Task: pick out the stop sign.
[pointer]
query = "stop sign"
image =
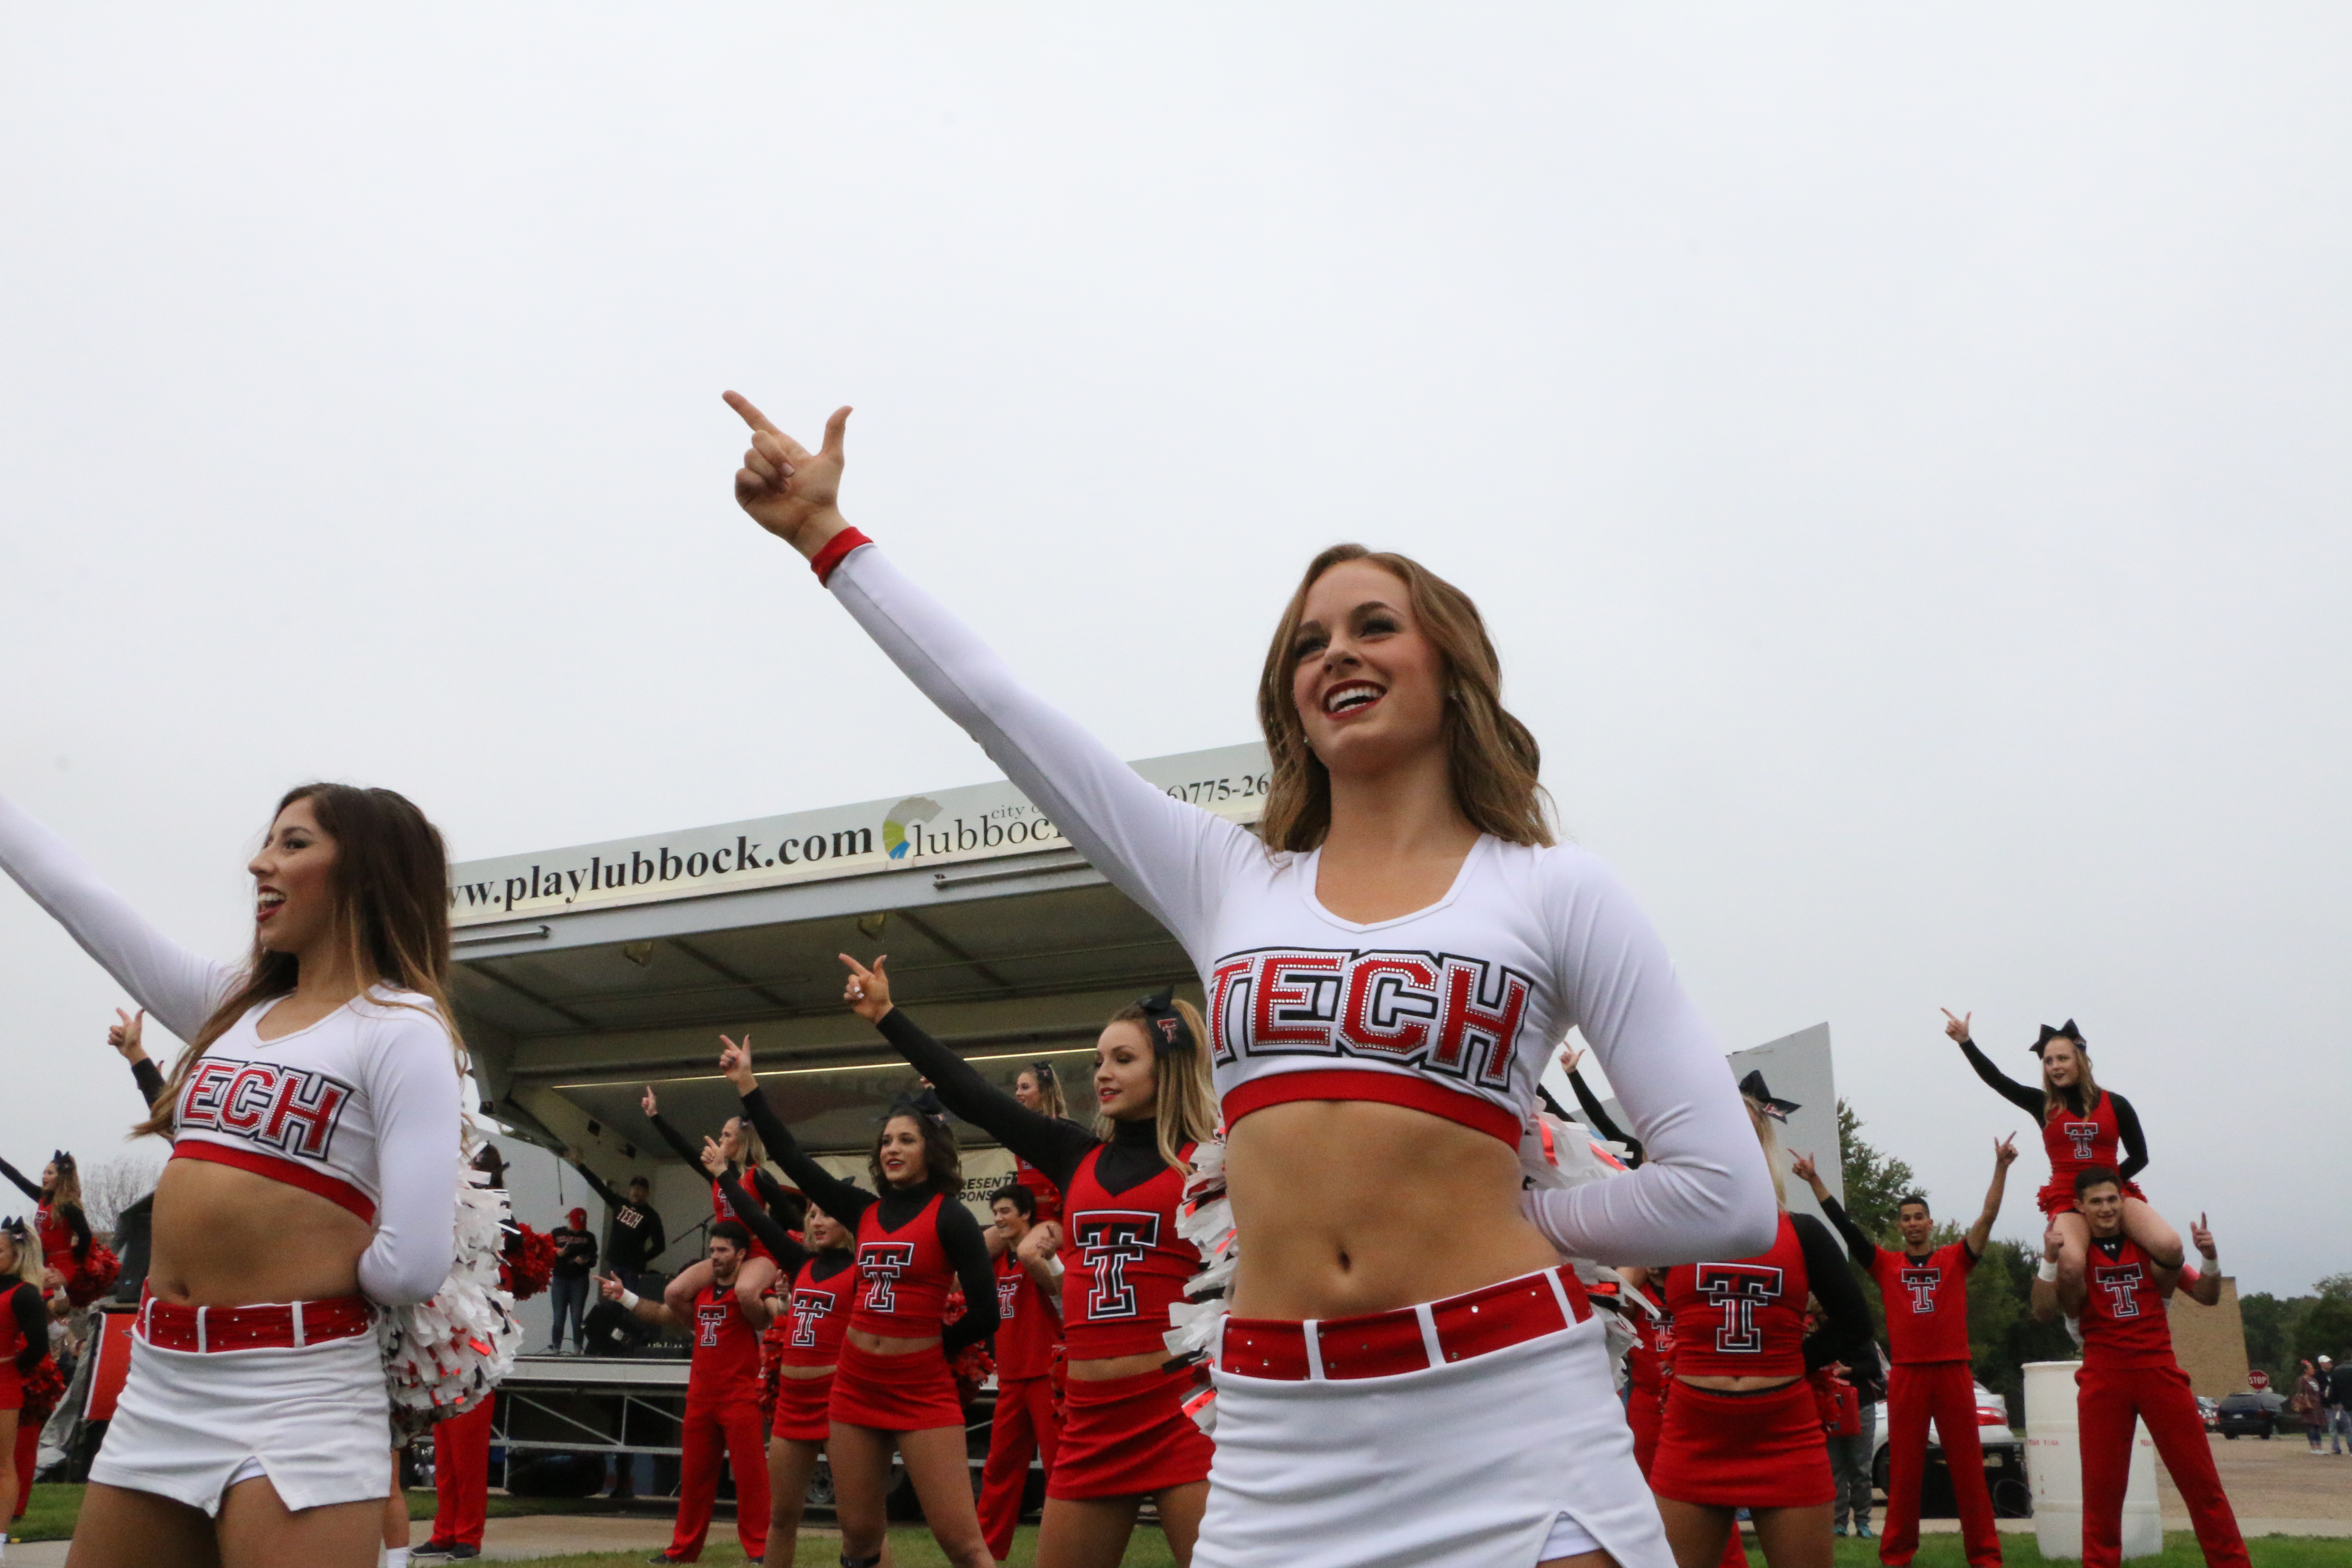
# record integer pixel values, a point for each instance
(2258, 1379)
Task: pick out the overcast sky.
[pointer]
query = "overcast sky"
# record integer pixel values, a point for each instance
(1901, 452)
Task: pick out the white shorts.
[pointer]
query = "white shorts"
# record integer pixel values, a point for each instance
(314, 1421)
(1504, 1460)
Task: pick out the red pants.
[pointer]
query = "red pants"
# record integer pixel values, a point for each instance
(1025, 1423)
(2106, 1398)
(1945, 1392)
(711, 1433)
(461, 1474)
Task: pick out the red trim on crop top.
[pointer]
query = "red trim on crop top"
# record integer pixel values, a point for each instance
(334, 1190)
(836, 550)
(1388, 1088)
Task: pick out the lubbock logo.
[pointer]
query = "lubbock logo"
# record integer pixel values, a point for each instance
(912, 812)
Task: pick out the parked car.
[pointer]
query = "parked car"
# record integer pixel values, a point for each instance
(2210, 1412)
(2259, 1413)
(2004, 1462)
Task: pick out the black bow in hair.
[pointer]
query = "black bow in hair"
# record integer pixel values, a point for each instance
(14, 1226)
(1044, 1069)
(2065, 1031)
(1752, 1086)
(1165, 1024)
(61, 1160)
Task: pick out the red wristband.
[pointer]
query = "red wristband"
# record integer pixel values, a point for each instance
(836, 550)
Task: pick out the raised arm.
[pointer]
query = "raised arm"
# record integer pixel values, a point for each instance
(31, 1189)
(166, 979)
(2204, 1282)
(1703, 1190)
(1166, 855)
(967, 1253)
(1052, 1143)
(2026, 1099)
(1594, 1116)
(669, 1135)
(1844, 1327)
(645, 1309)
(596, 1184)
(2127, 1134)
(128, 1039)
(2005, 1155)
(789, 1254)
(845, 1201)
(1858, 1246)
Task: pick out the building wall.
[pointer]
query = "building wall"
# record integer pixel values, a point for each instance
(2211, 1342)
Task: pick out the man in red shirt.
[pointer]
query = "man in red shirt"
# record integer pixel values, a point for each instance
(1028, 1332)
(722, 1399)
(2129, 1372)
(1926, 1290)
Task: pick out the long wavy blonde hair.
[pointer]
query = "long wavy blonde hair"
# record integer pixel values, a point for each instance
(1182, 1091)
(1495, 759)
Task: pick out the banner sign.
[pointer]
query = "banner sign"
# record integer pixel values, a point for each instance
(981, 822)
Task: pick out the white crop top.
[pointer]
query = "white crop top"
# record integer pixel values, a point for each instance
(361, 1107)
(1453, 1009)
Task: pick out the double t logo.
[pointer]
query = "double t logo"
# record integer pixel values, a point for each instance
(1109, 1240)
(1740, 1289)
(1922, 1283)
(880, 1262)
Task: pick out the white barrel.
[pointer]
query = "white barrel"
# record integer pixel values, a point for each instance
(2053, 1464)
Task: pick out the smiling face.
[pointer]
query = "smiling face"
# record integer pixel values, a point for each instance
(901, 1152)
(1127, 1080)
(1368, 685)
(2062, 1063)
(1025, 1089)
(1011, 1223)
(1912, 1221)
(49, 1179)
(294, 883)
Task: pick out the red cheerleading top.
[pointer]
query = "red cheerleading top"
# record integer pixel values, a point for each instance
(1028, 1330)
(2075, 1143)
(1927, 1302)
(726, 1364)
(2123, 1322)
(903, 1275)
(1650, 1359)
(1130, 1264)
(1742, 1318)
(1040, 1187)
(817, 1315)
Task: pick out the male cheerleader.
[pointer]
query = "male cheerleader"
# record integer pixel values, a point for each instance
(1925, 1289)
(722, 1398)
(1028, 1332)
(2128, 1371)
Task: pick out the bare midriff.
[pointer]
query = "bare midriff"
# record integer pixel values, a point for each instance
(227, 1238)
(803, 1373)
(889, 1344)
(1103, 1369)
(1738, 1384)
(1345, 1207)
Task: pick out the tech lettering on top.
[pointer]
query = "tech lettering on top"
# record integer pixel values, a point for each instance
(1457, 1018)
(291, 1109)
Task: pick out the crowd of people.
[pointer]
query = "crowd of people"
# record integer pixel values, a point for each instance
(1333, 1181)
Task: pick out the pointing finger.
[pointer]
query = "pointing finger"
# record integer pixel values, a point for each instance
(750, 412)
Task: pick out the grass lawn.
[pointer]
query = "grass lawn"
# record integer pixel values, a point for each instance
(51, 1515)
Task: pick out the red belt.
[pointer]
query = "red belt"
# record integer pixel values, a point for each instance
(289, 1325)
(1410, 1339)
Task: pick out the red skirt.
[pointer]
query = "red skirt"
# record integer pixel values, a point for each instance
(2058, 1197)
(803, 1409)
(894, 1392)
(1743, 1451)
(1123, 1437)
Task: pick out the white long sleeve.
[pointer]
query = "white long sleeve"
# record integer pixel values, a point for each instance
(180, 988)
(1169, 857)
(1703, 1190)
(415, 1092)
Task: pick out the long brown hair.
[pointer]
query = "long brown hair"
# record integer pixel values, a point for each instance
(1494, 759)
(391, 882)
(1184, 1097)
(943, 1160)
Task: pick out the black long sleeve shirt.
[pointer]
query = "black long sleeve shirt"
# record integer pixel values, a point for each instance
(960, 1234)
(633, 1231)
(1054, 1144)
(70, 1215)
(32, 1321)
(1598, 1119)
(2031, 1101)
(1844, 1327)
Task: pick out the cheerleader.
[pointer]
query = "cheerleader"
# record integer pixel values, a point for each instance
(892, 1387)
(315, 1117)
(24, 1340)
(756, 1276)
(1037, 1090)
(1385, 961)
(1025, 1423)
(1742, 1428)
(819, 1276)
(1125, 1435)
(57, 1218)
(2084, 1127)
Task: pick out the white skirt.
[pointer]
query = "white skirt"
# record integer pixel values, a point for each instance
(314, 1420)
(1468, 1464)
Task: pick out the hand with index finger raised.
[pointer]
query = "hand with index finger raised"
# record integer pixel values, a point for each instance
(789, 490)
